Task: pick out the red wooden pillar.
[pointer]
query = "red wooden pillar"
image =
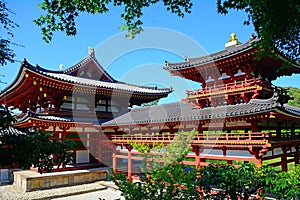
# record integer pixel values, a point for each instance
(224, 149)
(284, 160)
(129, 164)
(64, 132)
(199, 129)
(197, 156)
(114, 160)
(171, 129)
(99, 151)
(257, 155)
(130, 131)
(257, 162)
(254, 126)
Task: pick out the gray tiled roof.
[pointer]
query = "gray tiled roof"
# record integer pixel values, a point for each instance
(227, 52)
(292, 109)
(59, 75)
(182, 111)
(49, 117)
(13, 131)
(108, 85)
(44, 117)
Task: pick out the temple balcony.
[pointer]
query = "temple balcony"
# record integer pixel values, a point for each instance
(233, 93)
(255, 139)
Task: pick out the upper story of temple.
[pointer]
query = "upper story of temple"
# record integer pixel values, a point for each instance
(84, 89)
(234, 75)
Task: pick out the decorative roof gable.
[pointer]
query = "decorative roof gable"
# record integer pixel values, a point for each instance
(89, 68)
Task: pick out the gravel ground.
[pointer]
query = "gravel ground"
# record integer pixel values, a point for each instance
(107, 194)
(12, 192)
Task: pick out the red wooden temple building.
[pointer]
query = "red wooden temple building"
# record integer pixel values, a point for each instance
(237, 112)
(72, 103)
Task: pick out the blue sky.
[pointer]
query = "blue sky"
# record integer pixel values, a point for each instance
(166, 37)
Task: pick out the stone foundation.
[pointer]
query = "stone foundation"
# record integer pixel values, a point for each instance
(29, 180)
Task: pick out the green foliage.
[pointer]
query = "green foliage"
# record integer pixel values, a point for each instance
(174, 182)
(179, 148)
(146, 148)
(6, 117)
(152, 103)
(235, 182)
(170, 182)
(60, 14)
(34, 149)
(175, 152)
(7, 25)
(276, 22)
(285, 185)
(295, 93)
(246, 180)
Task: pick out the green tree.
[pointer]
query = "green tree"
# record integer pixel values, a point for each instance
(6, 117)
(30, 149)
(295, 93)
(170, 182)
(7, 25)
(167, 181)
(228, 182)
(174, 152)
(34, 149)
(276, 22)
(173, 180)
(152, 103)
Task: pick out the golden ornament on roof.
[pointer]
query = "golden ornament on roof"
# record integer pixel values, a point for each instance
(90, 50)
(232, 37)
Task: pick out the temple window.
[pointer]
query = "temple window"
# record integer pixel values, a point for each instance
(82, 103)
(101, 105)
(106, 106)
(114, 106)
(67, 104)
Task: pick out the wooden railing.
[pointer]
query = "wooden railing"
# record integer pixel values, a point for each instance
(198, 139)
(246, 84)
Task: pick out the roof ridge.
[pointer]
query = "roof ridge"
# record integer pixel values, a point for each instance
(213, 56)
(88, 58)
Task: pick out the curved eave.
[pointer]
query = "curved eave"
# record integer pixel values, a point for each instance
(180, 113)
(28, 73)
(78, 81)
(228, 55)
(184, 112)
(35, 121)
(211, 58)
(13, 89)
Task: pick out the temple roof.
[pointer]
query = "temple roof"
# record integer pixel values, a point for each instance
(31, 119)
(107, 85)
(234, 51)
(82, 64)
(13, 131)
(182, 111)
(227, 52)
(172, 112)
(61, 77)
(45, 117)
